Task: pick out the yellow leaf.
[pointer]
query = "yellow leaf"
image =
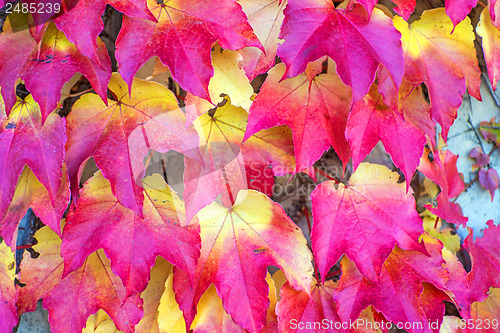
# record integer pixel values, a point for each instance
(229, 79)
(100, 323)
(152, 295)
(170, 318)
(8, 311)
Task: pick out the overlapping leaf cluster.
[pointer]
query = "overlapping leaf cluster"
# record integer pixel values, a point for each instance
(131, 255)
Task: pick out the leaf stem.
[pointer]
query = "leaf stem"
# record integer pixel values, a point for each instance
(80, 93)
(305, 210)
(324, 174)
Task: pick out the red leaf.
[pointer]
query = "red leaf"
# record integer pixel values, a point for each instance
(20, 43)
(432, 56)
(83, 33)
(121, 134)
(443, 171)
(489, 180)
(398, 293)
(347, 217)
(54, 61)
(458, 10)
(485, 256)
(182, 39)
(231, 165)
(313, 29)
(404, 8)
(86, 290)
(238, 243)
(371, 121)
(316, 111)
(298, 309)
(131, 242)
(24, 140)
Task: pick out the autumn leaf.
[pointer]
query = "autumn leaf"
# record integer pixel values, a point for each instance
(99, 221)
(229, 79)
(266, 18)
(100, 323)
(457, 284)
(442, 169)
(230, 164)
(152, 295)
(13, 42)
(458, 10)
(120, 135)
(398, 293)
(24, 140)
(80, 294)
(404, 8)
(211, 316)
(182, 39)
(87, 289)
(432, 56)
(486, 313)
(170, 317)
(485, 257)
(313, 29)
(490, 130)
(489, 180)
(371, 121)
(347, 216)
(8, 293)
(40, 276)
(316, 111)
(306, 309)
(54, 61)
(242, 241)
(83, 33)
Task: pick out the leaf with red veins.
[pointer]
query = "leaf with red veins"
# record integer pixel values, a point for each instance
(238, 243)
(131, 242)
(458, 10)
(443, 171)
(31, 193)
(231, 165)
(313, 29)
(371, 121)
(8, 293)
(266, 18)
(121, 134)
(490, 37)
(300, 307)
(84, 33)
(347, 217)
(24, 140)
(489, 180)
(398, 294)
(485, 257)
(54, 61)
(432, 56)
(18, 43)
(316, 111)
(83, 292)
(182, 39)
